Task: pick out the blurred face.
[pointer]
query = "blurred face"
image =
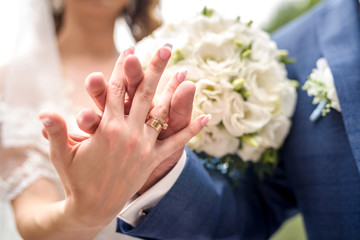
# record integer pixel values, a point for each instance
(96, 8)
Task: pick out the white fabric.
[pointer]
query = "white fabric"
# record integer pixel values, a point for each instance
(31, 81)
(136, 209)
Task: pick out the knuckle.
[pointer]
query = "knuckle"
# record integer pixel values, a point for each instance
(147, 94)
(146, 152)
(162, 112)
(172, 87)
(112, 133)
(117, 87)
(156, 67)
(112, 128)
(57, 134)
(132, 142)
(192, 130)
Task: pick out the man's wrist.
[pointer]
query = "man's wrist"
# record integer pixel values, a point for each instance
(161, 171)
(136, 209)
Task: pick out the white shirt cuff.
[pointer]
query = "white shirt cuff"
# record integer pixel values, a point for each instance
(137, 208)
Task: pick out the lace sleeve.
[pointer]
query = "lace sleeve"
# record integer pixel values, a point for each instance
(33, 168)
(23, 150)
(23, 158)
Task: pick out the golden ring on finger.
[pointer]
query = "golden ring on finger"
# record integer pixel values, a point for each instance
(156, 123)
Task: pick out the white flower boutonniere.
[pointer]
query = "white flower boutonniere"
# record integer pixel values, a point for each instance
(320, 84)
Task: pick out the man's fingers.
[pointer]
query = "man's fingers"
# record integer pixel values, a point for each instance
(161, 110)
(134, 74)
(88, 120)
(180, 109)
(55, 128)
(96, 87)
(177, 141)
(116, 89)
(146, 89)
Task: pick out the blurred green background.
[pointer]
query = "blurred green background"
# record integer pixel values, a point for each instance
(290, 9)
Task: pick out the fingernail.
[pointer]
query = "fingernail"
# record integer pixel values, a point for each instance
(129, 51)
(205, 120)
(165, 53)
(47, 122)
(168, 45)
(181, 76)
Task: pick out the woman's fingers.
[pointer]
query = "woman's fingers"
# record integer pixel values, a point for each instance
(180, 109)
(177, 141)
(96, 87)
(56, 131)
(88, 120)
(146, 89)
(77, 138)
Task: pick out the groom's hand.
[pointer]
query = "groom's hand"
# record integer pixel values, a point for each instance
(179, 116)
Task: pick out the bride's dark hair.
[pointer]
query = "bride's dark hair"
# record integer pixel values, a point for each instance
(140, 15)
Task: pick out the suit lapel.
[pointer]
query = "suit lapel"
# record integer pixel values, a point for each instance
(339, 35)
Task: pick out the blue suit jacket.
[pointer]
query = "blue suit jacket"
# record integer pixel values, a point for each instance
(319, 172)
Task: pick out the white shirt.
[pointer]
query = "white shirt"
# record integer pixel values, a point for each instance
(138, 207)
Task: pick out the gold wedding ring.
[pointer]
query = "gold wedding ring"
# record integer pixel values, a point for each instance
(156, 123)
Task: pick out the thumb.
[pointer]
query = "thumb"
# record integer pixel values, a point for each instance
(180, 109)
(56, 131)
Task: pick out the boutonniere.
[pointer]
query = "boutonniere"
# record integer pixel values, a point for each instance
(320, 84)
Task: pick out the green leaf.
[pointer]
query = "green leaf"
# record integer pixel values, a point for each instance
(207, 12)
(288, 60)
(238, 84)
(249, 140)
(246, 51)
(244, 93)
(295, 83)
(239, 43)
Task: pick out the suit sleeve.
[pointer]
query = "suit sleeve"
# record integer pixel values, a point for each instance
(203, 205)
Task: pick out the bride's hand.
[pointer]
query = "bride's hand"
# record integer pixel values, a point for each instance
(101, 173)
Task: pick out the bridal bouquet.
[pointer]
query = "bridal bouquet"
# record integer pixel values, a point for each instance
(240, 80)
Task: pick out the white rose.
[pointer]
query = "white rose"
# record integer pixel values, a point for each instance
(217, 57)
(288, 99)
(218, 142)
(264, 50)
(210, 99)
(264, 83)
(201, 25)
(275, 132)
(243, 117)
